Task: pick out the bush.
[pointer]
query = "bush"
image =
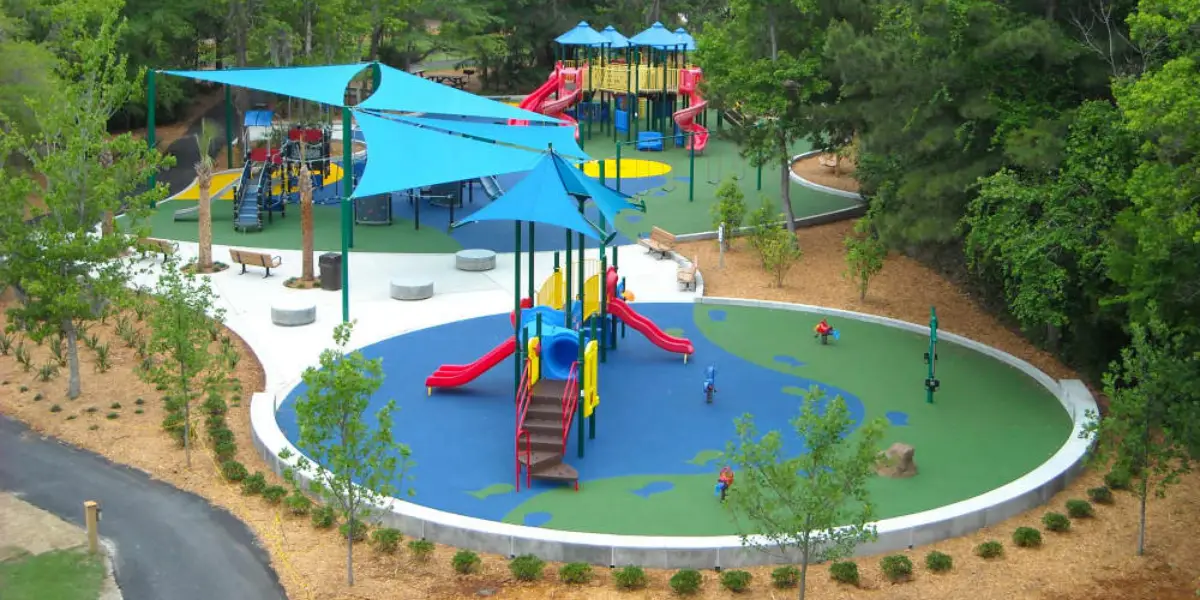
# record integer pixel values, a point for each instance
(254, 484)
(386, 540)
(844, 572)
(465, 562)
(298, 504)
(1027, 537)
(938, 562)
(1100, 495)
(274, 493)
(780, 251)
(1079, 509)
(896, 567)
(112, 415)
(323, 517)
(115, 406)
(1118, 478)
(55, 408)
(785, 577)
(421, 549)
(214, 422)
(225, 450)
(214, 405)
(686, 581)
(575, 573)
(358, 534)
(1056, 522)
(730, 208)
(990, 549)
(526, 567)
(631, 578)
(38, 397)
(735, 581)
(233, 470)
(220, 435)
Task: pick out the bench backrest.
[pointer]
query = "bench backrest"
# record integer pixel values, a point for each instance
(661, 235)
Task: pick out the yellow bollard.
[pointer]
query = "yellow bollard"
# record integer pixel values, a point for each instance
(91, 518)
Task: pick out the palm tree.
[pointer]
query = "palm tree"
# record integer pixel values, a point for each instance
(306, 218)
(204, 177)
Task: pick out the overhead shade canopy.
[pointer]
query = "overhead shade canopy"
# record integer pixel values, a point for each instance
(535, 137)
(540, 197)
(257, 118)
(608, 201)
(614, 37)
(582, 35)
(402, 156)
(689, 42)
(404, 92)
(657, 36)
(325, 84)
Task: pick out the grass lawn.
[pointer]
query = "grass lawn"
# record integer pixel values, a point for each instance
(61, 575)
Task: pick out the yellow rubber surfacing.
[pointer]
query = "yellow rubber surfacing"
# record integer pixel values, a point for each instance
(220, 180)
(631, 168)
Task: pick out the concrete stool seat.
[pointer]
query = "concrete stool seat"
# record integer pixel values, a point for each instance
(475, 260)
(293, 312)
(411, 288)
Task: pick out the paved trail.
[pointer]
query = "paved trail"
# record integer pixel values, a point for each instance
(170, 544)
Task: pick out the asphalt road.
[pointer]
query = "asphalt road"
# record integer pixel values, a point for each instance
(170, 544)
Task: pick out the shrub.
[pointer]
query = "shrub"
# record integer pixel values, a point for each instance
(47, 371)
(386, 540)
(938, 562)
(219, 435)
(254, 484)
(896, 567)
(1027, 537)
(214, 422)
(274, 493)
(785, 577)
(421, 549)
(93, 427)
(1079, 509)
(465, 562)
(686, 581)
(526, 567)
(23, 389)
(6, 343)
(1100, 495)
(214, 405)
(103, 360)
(631, 578)
(1056, 522)
(90, 409)
(21, 353)
(575, 573)
(139, 402)
(1118, 478)
(225, 450)
(780, 251)
(71, 417)
(359, 532)
(112, 415)
(844, 572)
(298, 504)
(115, 405)
(55, 408)
(38, 397)
(735, 581)
(990, 549)
(138, 411)
(233, 470)
(323, 517)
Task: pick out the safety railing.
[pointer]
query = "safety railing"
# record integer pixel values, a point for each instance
(524, 396)
(570, 403)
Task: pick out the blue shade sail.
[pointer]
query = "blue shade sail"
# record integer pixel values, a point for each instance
(541, 198)
(404, 92)
(607, 200)
(324, 84)
(535, 137)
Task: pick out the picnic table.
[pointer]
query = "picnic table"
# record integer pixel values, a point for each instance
(458, 81)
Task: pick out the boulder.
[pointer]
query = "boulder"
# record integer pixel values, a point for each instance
(896, 461)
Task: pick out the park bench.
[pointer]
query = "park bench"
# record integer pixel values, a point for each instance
(686, 275)
(255, 259)
(660, 241)
(158, 246)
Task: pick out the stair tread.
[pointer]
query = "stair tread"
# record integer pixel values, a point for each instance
(537, 458)
(560, 472)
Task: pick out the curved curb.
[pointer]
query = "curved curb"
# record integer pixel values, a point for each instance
(899, 533)
(812, 185)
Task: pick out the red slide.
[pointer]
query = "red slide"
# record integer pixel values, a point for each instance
(647, 328)
(456, 375)
(533, 102)
(686, 118)
(539, 102)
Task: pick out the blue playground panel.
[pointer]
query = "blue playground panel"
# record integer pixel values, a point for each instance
(651, 141)
(652, 417)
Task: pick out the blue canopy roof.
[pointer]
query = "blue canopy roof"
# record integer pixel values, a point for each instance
(686, 38)
(658, 36)
(536, 137)
(607, 200)
(324, 84)
(581, 35)
(257, 118)
(403, 156)
(405, 92)
(541, 197)
(614, 37)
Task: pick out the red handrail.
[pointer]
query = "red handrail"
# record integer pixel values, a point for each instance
(570, 402)
(522, 402)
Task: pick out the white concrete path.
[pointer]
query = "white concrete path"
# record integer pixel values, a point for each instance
(286, 351)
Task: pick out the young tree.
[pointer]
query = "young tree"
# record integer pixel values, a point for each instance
(59, 264)
(358, 463)
(182, 320)
(816, 504)
(864, 255)
(1154, 392)
(204, 177)
(730, 209)
(780, 252)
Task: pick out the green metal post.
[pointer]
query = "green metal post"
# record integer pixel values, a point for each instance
(228, 127)
(582, 272)
(603, 307)
(347, 225)
(718, 121)
(517, 308)
(567, 282)
(932, 357)
(591, 94)
(630, 93)
(151, 134)
(666, 123)
(618, 167)
(692, 168)
(759, 178)
(532, 248)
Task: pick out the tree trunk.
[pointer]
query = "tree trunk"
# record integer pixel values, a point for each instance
(350, 550)
(73, 386)
(803, 572)
(1141, 549)
(107, 225)
(187, 416)
(785, 186)
(306, 224)
(204, 263)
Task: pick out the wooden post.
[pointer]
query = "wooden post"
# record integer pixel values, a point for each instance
(91, 518)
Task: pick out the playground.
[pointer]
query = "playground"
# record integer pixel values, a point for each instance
(651, 466)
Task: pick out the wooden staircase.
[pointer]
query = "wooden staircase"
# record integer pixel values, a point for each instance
(544, 415)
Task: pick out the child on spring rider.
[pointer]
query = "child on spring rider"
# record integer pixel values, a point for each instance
(724, 482)
(710, 383)
(824, 330)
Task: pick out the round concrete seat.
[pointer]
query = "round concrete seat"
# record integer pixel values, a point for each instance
(475, 260)
(293, 313)
(411, 288)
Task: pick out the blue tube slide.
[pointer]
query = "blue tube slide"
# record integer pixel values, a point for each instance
(560, 345)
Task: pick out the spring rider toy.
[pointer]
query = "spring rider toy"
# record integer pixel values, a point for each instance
(724, 482)
(710, 383)
(824, 331)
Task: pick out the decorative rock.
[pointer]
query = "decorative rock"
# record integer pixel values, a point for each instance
(475, 260)
(411, 288)
(293, 313)
(896, 462)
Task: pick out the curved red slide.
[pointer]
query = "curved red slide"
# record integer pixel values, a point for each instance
(456, 375)
(538, 102)
(647, 328)
(534, 101)
(686, 119)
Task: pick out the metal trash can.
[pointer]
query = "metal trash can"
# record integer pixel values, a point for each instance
(331, 271)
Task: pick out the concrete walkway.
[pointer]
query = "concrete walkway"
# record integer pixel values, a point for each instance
(168, 543)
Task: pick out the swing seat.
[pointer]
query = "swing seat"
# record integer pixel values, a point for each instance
(651, 141)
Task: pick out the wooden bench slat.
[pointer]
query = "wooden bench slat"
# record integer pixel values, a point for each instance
(257, 259)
